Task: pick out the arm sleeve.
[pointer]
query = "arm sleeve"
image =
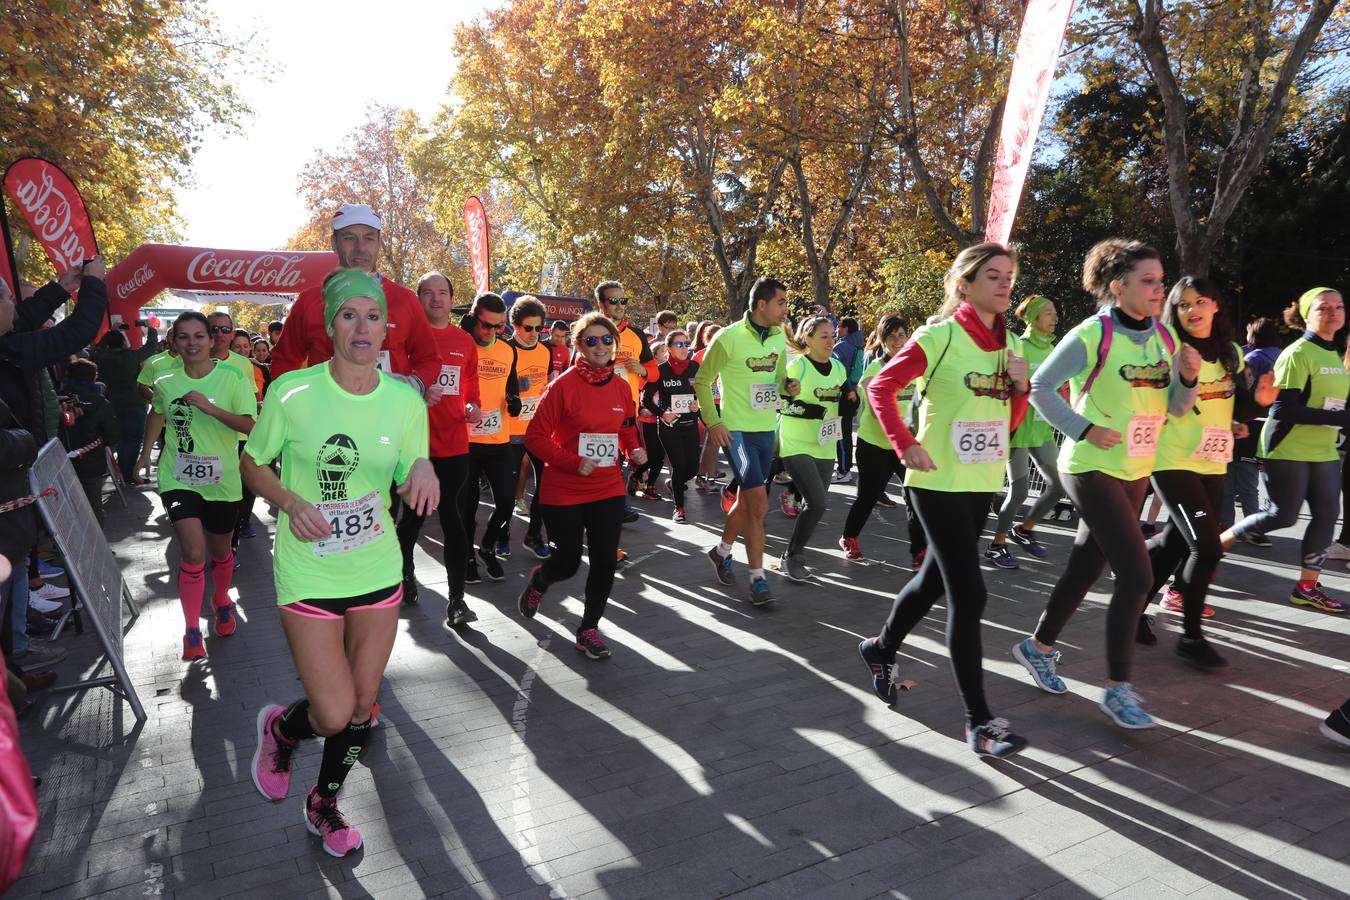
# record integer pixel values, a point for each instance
(289, 353)
(645, 353)
(654, 396)
(512, 386)
(1290, 406)
(1180, 396)
(904, 367)
(415, 442)
(269, 435)
(713, 358)
(33, 350)
(37, 309)
(539, 435)
(471, 394)
(1067, 359)
(423, 357)
(628, 437)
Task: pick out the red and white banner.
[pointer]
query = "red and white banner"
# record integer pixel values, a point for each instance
(53, 209)
(476, 231)
(1033, 70)
(9, 271)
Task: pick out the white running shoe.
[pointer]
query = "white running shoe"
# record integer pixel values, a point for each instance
(43, 606)
(49, 592)
(1338, 551)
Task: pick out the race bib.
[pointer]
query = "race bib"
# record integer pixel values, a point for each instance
(764, 397)
(1141, 436)
(384, 363)
(490, 424)
(603, 448)
(351, 524)
(196, 470)
(527, 407)
(681, 403)
(1335, 404)
(717, 392)
(980, 442)
(448, 380)
(1215, 446)
(831, 430)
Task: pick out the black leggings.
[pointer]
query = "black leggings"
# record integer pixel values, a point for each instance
(1108, 531)
(953, 523)
(245, 508)
(450, 471)
(495, 461)
(599, 522)
(680, 444)
(875, 470)
(518, 454)
(1190, 540)
(656, 456)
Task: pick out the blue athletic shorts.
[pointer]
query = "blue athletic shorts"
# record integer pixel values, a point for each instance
(751, 455)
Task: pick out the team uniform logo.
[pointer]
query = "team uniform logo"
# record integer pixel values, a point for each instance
(338, 458)
(829, 395)
(996, 386)
(1158, 375)
(762, 363)
(1222, 389)
(180, 420)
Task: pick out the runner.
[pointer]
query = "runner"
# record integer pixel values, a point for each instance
(709, 476)
(198, 472)
(1034, 441)
(583, 423)
(1122, 374)
(560, 349)
(1298, 443)
(809, 431)
(632, 355)
(345, 433)
(876, 457)
(532, 364)
(671, 396)
(452, 404)
(974, 394)
(1194, 452)
(750, 359)
(489, 438)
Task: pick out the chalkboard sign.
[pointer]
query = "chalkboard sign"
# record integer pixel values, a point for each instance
(94, 575)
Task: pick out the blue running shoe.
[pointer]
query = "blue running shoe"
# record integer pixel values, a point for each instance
(503, 551)
(1041, 666)
(722, 566)
(994, 738)
(1121, 703)
(47, 570)
(538, 546)
(760, 594)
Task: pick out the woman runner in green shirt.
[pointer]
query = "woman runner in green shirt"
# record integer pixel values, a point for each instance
(344, 432)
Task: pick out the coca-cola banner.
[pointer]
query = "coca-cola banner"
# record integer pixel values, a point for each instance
(1033, 69)
(53, 209)
(9, 272)
(476, 231)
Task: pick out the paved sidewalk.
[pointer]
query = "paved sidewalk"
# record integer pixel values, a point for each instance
(723, 750)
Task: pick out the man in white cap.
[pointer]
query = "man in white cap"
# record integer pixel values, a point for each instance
(409, 349)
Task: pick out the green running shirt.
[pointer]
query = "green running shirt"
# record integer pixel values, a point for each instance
(201, 453)
(1034, 431)
(1321, 374)
(869, 428)
(752, 373)
(1201, 441)
(816, 438)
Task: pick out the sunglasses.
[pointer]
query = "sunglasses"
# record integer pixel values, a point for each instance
(617, 301)
(591, 340)
(500, 326)
(221, 329)
(680, 344)
(529, 329)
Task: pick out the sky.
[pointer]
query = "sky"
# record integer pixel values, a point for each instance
(328, 62)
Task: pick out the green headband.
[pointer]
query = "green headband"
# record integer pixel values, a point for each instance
(1034, 306)
(343, 285)
(1305, 302)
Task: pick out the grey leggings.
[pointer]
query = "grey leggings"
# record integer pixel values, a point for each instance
(811, 476)
(1046, 457)
(1288, 484)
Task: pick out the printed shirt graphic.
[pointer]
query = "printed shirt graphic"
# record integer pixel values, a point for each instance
(188, 430)
(869, 429)
(1133, 386)
(799, 436)
(532, 362)
(336, 446)
(967, 390)
(494, 367)
(741, 360)
(1321, 375)
(1212, 414)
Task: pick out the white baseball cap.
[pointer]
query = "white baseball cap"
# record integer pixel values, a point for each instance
(356, 214)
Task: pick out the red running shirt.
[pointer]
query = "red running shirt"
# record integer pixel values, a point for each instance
(569, 409)
(459, 371)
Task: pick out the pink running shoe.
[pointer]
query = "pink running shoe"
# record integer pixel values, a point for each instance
(788, 504)
(322, 818)
(527, 604)
(272, 758)
(1172, 600)
(851, 548)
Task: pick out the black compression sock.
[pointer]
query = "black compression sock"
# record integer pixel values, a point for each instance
(340, 753)
(294, 725)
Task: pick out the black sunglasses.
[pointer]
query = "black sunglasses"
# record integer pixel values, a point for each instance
(617, 301)
(220, 329)
(529, 329)
(500, 326)
(591, 340)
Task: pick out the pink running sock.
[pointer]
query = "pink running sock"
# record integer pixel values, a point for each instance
(191, 587)
(1307, 585)
(222, 573)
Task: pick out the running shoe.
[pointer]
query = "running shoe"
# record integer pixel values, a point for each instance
(841, 478)
(760, 595)
(471, 575)
(1314, 597)
(1337, 727)
(1200, 653)
(885, 502)
(458, 614)
(722, 566)
(651, 494)
(538, 546)
(1143, 632)
(522, 509)
(237, 563)
(1121, 703)
(272, 757)
(1001, 556)
(1171, 600)
(1338, 551)
(1259, 540)
(916, 561)
(491, 565)
(46, 607)
(634, 486)
(630, 515)
(1027, 541)
(994, 738)
(592, 644)
(782, 478)
(225, 622)
(883, 668)
(788, 504)
(503, 551)
(852, 550)
(1147, 529)
(193, 648)
(678, 517)
(248, 532)
(1041, 666)
(527, 604)
(322, 818)
(728, 499)
(47, 570)
(41, 654)
(621, 557)
(794, 568)
(48, 592)
(410, 592)
(704, 485)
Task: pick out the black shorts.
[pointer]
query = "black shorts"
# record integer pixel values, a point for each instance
(218, 516)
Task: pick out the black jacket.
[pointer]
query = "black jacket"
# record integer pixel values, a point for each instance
(18, 529)
(97, 421)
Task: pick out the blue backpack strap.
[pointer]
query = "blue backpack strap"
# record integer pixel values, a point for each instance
(1103, 348)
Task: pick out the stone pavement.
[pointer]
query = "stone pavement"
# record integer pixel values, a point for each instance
(723, 750)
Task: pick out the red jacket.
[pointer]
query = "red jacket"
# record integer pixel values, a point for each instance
(305, 341)
(449, 431)
(568, 409)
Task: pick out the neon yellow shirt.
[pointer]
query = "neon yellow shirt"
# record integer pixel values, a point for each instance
(201, 453)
